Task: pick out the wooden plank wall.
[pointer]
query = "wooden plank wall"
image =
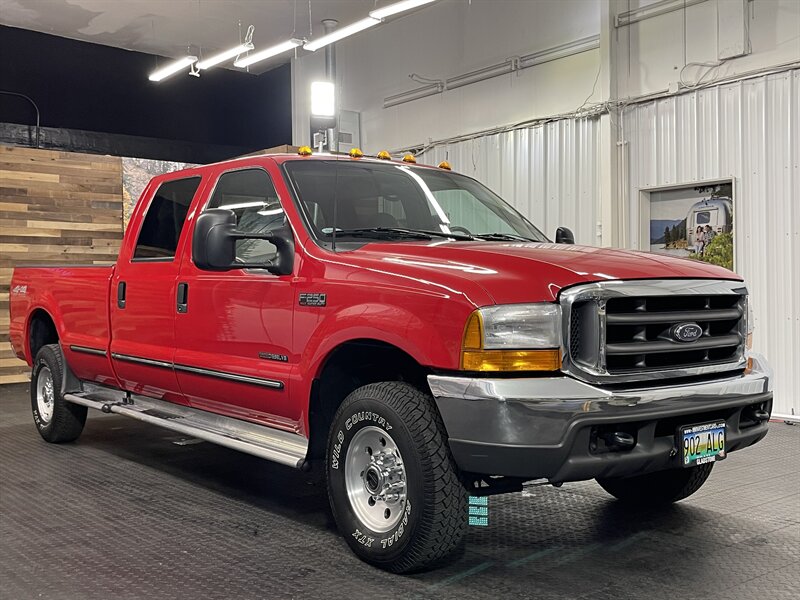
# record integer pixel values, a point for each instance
(55, 207)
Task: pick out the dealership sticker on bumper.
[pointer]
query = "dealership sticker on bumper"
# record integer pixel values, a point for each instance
(701, 444)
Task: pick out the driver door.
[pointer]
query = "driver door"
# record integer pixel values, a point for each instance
(234, 328)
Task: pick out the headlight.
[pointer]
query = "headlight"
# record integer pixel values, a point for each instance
(513, 337)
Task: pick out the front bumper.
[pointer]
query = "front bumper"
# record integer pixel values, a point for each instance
(553, 427)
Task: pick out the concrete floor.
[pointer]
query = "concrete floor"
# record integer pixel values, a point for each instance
(132, 511)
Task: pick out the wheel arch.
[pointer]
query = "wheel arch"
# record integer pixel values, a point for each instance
(41, 330)
(348, 366)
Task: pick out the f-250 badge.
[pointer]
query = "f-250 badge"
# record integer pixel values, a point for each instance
(313, 299)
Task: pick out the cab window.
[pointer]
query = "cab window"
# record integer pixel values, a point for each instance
(249, 193)
(164, 220)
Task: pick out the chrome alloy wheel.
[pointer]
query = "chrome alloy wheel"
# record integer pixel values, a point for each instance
(45, 395)
(375, 477)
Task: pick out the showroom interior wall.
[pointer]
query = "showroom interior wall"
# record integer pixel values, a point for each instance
(98, 99)
(556, 161)
(450, 38)
(748, 131)
(587, 173)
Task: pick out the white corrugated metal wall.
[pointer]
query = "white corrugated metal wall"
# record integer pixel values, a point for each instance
(548, 172)
(748, 131)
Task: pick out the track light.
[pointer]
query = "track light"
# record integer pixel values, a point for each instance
(223, 56)
(341, 33)
(397, 7)
(267, 53)
(172, 68)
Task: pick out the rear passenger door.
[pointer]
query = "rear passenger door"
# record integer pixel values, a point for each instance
(233, 334)
(143, 293)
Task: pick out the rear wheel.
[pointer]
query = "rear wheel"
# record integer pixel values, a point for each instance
(56, 419)
(662, 487)
(393, 486)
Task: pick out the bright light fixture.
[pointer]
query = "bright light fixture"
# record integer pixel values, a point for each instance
(322, 99)
(267, 53)
(223, 56)
(397, 7)
(172, 68)
(344, 32)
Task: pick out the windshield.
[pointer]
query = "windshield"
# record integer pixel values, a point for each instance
(401, 201)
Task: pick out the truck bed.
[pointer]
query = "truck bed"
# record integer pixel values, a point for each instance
(76, 298)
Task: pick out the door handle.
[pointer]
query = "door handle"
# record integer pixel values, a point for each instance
(121, 294)
(183, 297)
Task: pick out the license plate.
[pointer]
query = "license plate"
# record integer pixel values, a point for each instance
(701, 444)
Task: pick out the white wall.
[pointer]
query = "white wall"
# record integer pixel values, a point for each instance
(748, 131)
(450, 38)
(549, 172)
(658, 51)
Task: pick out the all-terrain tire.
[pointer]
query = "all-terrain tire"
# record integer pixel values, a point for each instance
(661, 487)
(56, 419)
(434, 506)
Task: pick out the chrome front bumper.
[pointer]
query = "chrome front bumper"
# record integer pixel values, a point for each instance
(545, 427)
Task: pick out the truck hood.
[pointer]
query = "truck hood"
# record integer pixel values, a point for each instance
(512, 272)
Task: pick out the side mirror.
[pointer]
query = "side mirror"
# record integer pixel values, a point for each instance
(214, 244)
(564, 235)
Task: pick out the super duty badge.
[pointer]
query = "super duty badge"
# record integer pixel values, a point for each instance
(313, 299)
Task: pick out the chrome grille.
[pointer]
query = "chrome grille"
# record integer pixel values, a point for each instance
(624, 330)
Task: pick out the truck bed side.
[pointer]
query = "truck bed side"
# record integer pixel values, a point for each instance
(72, 300)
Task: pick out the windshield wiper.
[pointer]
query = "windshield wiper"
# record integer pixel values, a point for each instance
(420, 234)
(502, 237)
(380, 232)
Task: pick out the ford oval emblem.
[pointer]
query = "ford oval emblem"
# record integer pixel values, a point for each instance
(686, 332)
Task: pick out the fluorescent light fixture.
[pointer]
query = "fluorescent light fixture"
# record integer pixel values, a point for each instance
(344, 32)
(267, 53)
(172, 68)
(223, 56)
(397, 7)
(323, 99)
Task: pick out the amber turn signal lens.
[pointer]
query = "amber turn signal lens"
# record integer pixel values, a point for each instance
(473, 332)
(510, 360)
(304, 150)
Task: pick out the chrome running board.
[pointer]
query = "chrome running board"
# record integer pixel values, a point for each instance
(272, 444)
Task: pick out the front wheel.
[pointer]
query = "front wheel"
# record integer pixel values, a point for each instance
(392, 483)
(661, 487)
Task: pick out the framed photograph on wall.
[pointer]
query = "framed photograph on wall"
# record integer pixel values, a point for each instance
(693, 221)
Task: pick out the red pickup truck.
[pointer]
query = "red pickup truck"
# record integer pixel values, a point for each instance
(404, 329)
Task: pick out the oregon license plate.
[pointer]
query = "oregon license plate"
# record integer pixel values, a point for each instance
(701, 444)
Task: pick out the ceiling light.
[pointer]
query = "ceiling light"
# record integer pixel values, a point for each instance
(323, 99)
(223, 56)
(397, 7)
(172, 68)
(267, 53)
(341, 33)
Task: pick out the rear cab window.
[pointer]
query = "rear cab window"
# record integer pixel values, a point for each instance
(164, 219)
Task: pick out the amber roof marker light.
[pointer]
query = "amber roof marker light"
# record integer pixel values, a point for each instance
(445, 165)
(409, 158)
(384, 155)
(355, 153)
(304, 151)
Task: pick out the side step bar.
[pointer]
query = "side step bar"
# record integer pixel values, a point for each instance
(272, 444)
